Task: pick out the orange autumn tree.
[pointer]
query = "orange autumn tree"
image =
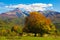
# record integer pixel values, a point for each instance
(17, 29)
(37, 23)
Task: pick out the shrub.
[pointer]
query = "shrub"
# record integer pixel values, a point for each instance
(17, 29)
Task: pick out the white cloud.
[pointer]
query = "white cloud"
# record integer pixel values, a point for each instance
(50, 5)
(31, 7)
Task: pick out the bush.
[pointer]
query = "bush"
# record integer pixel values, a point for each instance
(17, 29)
(3, 32)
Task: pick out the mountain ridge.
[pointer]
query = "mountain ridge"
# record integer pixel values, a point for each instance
(53, 15)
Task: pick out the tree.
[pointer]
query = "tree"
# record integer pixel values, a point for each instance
(37, 23)
(17, 29)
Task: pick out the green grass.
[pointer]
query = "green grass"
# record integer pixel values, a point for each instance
(10, 37)
(28, 38)
(40, 38)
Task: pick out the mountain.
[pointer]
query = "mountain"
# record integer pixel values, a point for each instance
(17, 13)
(53, 15)
(13, 14)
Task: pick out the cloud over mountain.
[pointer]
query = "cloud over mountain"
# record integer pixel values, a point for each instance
(28, 7)
(31, 7)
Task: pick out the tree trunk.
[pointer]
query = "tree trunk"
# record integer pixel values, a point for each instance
(41, 35)
(35, 35)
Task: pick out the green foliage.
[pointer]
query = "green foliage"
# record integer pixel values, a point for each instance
(7, 24)
(4, 32)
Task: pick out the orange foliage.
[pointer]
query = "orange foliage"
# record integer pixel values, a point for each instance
(36, 17)
(36, 22)
(15, 27)
(48, 21)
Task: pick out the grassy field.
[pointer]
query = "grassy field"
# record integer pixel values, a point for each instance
(29, 38)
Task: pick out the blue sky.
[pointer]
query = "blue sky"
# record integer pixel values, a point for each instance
(55, 3)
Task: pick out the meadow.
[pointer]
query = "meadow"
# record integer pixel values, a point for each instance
(28, 38)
